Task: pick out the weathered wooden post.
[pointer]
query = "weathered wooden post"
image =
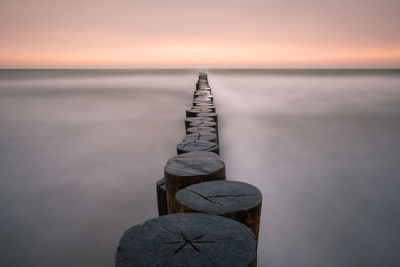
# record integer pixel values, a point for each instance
(196, 101)
(161, 197)
(194, 111)
(200, 129)
(193, 146)
(187, 239)
(212, 115)
(235, 200)
(203, 124)
(202, 93)
(193, 119)
(190, 168)
(210, 137)
(205, 105)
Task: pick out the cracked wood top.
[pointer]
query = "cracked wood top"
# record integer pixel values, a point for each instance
(205, 105)
(200, 136)
(202, 129)
(194, 164)
(205, 94)
(197, 146)
(193, 119)
(203, 124)
(220, 197)
(203, 98)
(199, 109)
(187, 239)
(196, 101)
(206, 114)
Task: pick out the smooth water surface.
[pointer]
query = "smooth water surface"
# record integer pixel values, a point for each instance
(81, 150)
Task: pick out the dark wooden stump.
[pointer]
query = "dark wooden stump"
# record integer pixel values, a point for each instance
(193, 146)
(194, 111)
(193, 119)
(210, 137)
(203, 87)
(203, 124)
(201, 129)
(206, 91)
(189, 239)
(203, 99)
(162, 197)
(190, 168)
(235, 200)
(203, 76)
(209, 115)
(205, 105)
(197, 101)
(202, 93)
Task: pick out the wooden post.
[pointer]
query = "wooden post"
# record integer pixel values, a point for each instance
(193, 119)
(235, 200)
(209, 115)
(202, 87)
(210, 137)
(203, 93)
(196, 101)
(205, 105)
(203, 99)
(194, 111)
(190, 168)
(193, 146)
(200, 129)
(162, 197)
(188, 239)
(203, 124)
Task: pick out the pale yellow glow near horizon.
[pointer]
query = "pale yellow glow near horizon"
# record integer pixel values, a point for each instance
(197, 56)
(138, 34)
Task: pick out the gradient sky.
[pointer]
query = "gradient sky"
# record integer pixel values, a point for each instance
(219, 33)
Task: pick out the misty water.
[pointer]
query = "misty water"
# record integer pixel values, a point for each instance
(81, 150)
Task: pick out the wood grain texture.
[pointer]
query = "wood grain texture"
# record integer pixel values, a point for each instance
(200, 129)
(212, 115)
(196, 101)
(191, 239)
(193, 119)
(203, 93)
(205, 105)
(203, 124)
(210, 137)
(235, 200)
(194, 111)
(203, 98)
(201, 145)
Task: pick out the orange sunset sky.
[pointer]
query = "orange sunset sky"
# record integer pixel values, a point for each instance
(136, 34)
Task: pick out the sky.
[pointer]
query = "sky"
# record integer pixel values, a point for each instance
(181, 34)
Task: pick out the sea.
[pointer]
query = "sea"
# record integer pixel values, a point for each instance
(81, 151)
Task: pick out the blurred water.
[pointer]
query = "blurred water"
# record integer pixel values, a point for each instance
(81, 150)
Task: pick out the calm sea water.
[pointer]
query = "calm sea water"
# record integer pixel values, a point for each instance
(81, 150)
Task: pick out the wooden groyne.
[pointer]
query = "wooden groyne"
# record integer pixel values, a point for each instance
(204, 219)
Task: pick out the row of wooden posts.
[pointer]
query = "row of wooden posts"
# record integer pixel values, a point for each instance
(204, 220)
